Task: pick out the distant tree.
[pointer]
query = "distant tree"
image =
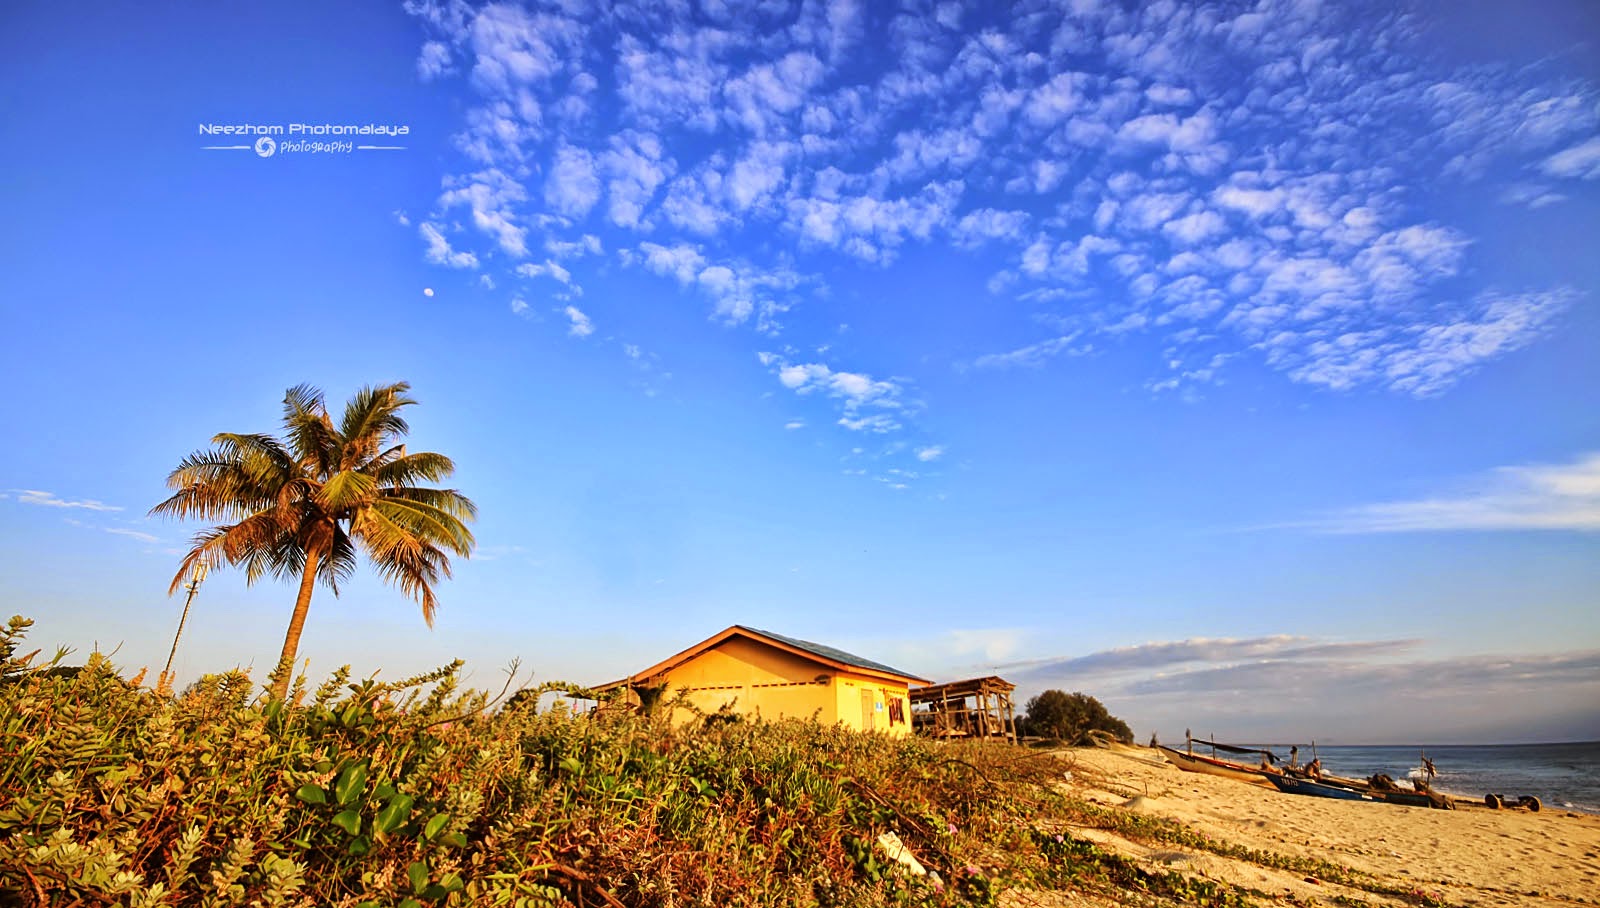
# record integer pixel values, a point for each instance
(301, 508)
(1070, 717)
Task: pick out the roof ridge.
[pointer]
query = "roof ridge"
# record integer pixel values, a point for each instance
(829, 652)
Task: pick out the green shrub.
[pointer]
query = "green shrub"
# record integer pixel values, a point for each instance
(416, 793)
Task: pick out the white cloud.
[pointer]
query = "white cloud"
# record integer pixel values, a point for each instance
(1537, 497)
(682, 262)
(553, 270)
(588, 244)
(580, 325)
(1254, 202)
(1034, 354)
(515, 49)
(1195, 228)
(760, 98)
(675, 81)
(930, 453)
(877, 423)
(758, 173)
(1533, 195)
(868, 404)
(634, 166)
(1190, 134)
(1578, 162)
(434, 61)
(869, 227)
(1157, 686)
(1054, 101)
(51, 500)
(496, 132)
(490, 195)
(1271, 204)
(737, 289)
(976, 227)
(1169, 95)
(572, 186)
(1436, 356)
(439, 251)
(131, 534)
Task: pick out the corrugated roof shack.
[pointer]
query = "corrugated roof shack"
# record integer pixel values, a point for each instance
(760, 673)
(974, 708)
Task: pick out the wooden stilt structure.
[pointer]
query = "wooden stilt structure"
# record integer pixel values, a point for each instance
(974, 708)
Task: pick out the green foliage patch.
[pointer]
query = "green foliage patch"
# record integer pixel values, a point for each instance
(416, 793)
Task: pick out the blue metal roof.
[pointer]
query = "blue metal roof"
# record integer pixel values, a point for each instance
(828, 652)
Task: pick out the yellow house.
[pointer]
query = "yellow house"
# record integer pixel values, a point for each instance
(760, 673)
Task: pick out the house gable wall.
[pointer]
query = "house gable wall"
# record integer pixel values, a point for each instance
(757, 678)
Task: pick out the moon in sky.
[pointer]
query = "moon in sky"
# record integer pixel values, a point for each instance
(427, 291)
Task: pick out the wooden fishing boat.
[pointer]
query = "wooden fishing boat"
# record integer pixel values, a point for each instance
(1377, 788)
(1211, 766)
(1303, 786)
(1407, 798)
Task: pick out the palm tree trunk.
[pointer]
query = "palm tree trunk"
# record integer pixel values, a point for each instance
(278, 685)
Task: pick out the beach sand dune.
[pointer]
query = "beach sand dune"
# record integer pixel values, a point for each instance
(1471, 856)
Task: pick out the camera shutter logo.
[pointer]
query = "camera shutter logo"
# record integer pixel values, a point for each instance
(266, 147)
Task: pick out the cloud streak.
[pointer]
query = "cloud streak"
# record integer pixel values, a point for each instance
(1537, 497)
(51, 500)
(1295, 688)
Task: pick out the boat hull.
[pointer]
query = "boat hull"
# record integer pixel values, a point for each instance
(1404, 798)
(1292, 785)
(1213, 767)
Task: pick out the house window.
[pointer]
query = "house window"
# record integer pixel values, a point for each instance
(897, 711)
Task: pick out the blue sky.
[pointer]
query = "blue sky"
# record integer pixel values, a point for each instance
(1235, 363)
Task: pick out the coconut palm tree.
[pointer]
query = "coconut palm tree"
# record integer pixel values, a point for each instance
(301, 507)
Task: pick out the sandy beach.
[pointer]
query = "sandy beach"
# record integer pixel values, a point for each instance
(1469, 856)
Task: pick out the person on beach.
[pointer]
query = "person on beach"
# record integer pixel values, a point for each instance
(1314, 769)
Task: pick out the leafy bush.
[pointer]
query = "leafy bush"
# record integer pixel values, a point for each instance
(1071, 717)
(416, 793)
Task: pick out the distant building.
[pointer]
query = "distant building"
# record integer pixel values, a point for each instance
(759, 673)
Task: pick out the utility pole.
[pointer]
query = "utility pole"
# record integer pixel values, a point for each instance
(201, 568)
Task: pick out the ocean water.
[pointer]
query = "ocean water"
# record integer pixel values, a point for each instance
(1561, 776)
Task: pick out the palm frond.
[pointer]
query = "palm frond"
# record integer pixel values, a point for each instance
(264, 451)
(206, 547)
(407, 469)
(430, 524)
(415, 569)
(450, 501)
(283, 558)
(339, 563)
(372, 421)
(215, 485)
(311, 433)
(373, 463)
(346, 492)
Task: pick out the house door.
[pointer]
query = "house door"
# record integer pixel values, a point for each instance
(869, 701)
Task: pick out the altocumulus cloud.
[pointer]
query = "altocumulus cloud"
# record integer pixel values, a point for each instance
(1234, 180)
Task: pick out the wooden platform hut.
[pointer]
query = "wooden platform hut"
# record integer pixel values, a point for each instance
(974, 708)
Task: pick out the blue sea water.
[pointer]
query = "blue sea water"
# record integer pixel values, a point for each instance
(1562, 776)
